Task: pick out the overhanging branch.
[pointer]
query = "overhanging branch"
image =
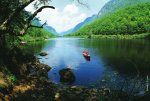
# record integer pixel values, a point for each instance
(28, 24)
(38, 26)
(39, 10)
(82, 3)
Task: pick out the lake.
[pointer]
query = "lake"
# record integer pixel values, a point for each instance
(111, 60)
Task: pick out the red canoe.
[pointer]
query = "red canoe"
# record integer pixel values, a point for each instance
(86, 55)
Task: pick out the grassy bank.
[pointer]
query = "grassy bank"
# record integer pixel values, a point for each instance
(75, 36)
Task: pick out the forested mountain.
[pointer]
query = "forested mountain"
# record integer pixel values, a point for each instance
(114, 5)
(51, 30)
(130, 20)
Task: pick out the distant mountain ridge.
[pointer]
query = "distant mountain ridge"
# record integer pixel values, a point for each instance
(51, 29)
(66, 32)
(76, 28)
(48, 28)
(80, 25)
(114, 5)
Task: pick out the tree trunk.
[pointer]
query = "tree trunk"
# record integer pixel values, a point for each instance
(14, 14)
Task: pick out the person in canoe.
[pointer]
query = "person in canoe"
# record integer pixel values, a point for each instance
(86, 53)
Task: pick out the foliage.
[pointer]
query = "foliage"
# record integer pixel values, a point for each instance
(15, 20)
(6, 76)
(118, 36)
(18, 22)
(128, 21)
(34, 34)
(114, 5)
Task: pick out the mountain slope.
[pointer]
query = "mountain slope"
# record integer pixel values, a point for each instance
(66, 32)
(114, 5)
(80, 25)
(51, 30)
(130, 20)
(86, 21)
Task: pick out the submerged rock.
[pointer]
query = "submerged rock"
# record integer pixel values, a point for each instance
(66, 76)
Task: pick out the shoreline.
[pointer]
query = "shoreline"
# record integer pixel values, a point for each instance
(119, 36)
(36, 86)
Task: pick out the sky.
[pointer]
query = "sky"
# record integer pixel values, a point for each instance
(67, 13)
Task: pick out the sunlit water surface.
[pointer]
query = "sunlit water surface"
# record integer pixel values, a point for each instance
(110, 59)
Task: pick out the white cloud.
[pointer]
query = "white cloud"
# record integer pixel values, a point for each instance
(61, 19)
(71, 9)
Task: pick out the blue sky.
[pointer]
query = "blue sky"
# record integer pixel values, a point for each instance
(68, 13)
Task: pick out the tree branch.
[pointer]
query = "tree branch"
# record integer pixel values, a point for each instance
(28, 24)
(81, 3)
(38, 26)
(39, 10)
(14, 14)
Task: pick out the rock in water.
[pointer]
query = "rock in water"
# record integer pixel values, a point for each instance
(66, 76)
(43, 54)
(23, 42)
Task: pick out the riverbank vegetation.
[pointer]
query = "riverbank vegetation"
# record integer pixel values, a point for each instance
(36, 34)
(128, 21)
(15, 21)
(118, 36)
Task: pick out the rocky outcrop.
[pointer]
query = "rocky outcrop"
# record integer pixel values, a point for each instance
(66, 76)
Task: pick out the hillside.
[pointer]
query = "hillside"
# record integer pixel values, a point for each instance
(51, 30)
(86, 21)
(114, 5)
(66, 32)
(130, 20)
(34, 34)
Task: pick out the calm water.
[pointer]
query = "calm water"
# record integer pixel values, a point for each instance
(124, 58)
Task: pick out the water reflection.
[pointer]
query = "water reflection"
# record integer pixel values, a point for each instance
(125, 57)
(33, 47)
(68, 53)
(65, 53)
(87, 58)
